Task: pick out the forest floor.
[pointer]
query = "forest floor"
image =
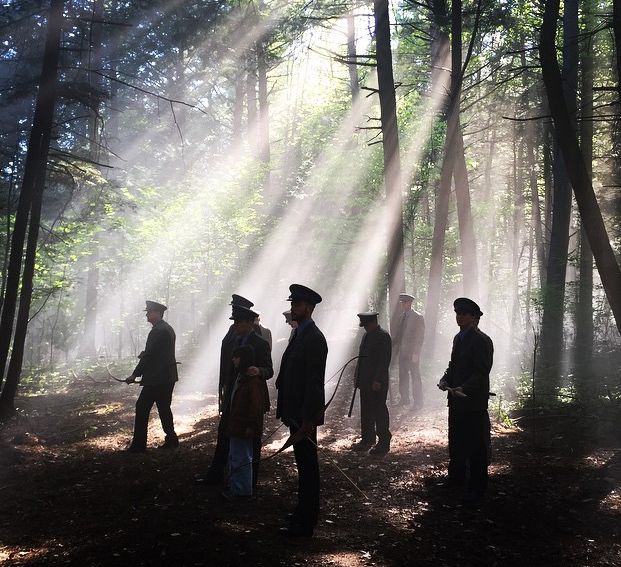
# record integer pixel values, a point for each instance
(71, 496)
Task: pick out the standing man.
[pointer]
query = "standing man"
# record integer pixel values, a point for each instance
(301, 401)
(372, 379)
(408, 344)
(158, 368)
(467, 382)
(240, 333)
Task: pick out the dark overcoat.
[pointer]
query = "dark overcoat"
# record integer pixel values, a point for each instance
(375, 353)
(471, 361)
(157, 363)
(300, 382)
(262, 360)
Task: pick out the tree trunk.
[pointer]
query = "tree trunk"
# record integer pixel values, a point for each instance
(354, 81)
(583, 348)
(50, 70)
(552, 330)
(444, 190)
(88, 347)
(464, 215)
(590, 212)
(392, 159)
(616, 27)
(34, 169)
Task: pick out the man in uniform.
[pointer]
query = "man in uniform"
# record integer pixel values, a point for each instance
(301, 401)
(467, 382)
(372, 379)
(158, 368)
(240, 333)
(408, 344)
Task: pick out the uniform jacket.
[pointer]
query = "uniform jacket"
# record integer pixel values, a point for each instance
(300, 382)
(247, 407)
(262, 360)
(410, 334)
(375, 353)
(471, 361)
(157, 362)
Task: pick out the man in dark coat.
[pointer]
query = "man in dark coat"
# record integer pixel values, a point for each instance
(372, 379)
(408, 344)
(301, 401)
(241, 333)
(158, 368)
(467, 382)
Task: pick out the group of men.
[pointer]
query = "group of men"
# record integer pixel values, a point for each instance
(301, 397)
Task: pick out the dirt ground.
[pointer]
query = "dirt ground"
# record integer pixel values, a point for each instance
(71, 496)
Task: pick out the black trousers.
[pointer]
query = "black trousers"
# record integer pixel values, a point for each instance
(220, 458)
(469, 442)
(307, 511)
(374, 418)
(161, 395)
(410, 370)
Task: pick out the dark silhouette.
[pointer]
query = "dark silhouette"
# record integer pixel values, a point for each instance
(158, 368)
(301, 400)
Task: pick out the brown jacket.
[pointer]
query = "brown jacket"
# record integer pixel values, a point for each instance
(247, 408)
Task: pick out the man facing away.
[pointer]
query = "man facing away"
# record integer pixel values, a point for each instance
(408, 344)
(467, 382)
(301, 401)
(158, 368)
(372, 379)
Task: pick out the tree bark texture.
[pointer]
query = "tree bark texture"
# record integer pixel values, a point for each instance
(583, 350)
(34, 168)
(552, 324)
(392, 159)
(30, 203)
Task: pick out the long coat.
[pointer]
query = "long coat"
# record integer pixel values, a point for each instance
(157, 363)
(375, 353)
(300, 382)
(247, 407)
(471, 361)
(262, 360)
(409, 335)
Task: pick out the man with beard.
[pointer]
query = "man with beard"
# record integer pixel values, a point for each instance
(301, 401)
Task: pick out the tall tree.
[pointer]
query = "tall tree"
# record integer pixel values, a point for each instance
(392, 159)
(552, 324)
(31, 197)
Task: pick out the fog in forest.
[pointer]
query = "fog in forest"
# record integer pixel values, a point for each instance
(242, 153)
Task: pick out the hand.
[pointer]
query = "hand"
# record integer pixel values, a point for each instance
(130, 379)
(252, 371)
(458, 392)
(376, 386)
(443, 384)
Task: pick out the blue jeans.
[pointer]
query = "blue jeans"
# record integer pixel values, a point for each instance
(240, 466)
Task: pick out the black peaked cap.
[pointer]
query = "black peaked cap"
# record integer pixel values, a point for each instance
(302, 293)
